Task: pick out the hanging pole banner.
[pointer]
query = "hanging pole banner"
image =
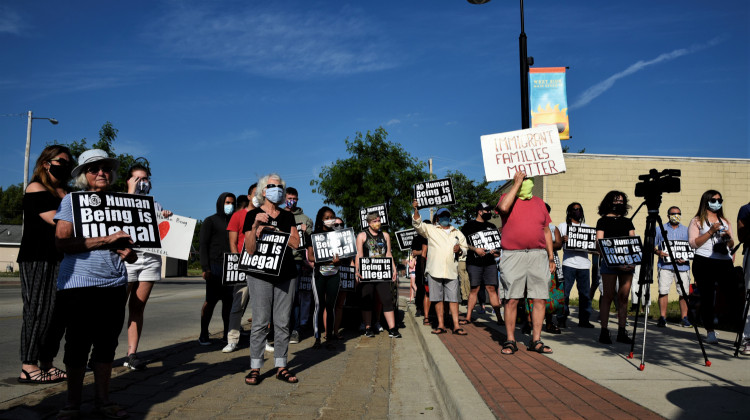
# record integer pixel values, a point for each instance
(382, 209)
(176, 234)
(232, 274)
(581, 238)
(434, 193)
(536, 151)
(622, 251)
(269, 253)
(548, 99)
(338, 242)
(347, 276)
(98, 214)
(375, 269)
(488, 240)
(405, 238)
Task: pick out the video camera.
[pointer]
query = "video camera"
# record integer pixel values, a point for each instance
(656, 183)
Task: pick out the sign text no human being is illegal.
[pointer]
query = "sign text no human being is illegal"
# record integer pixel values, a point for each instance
(99, 214)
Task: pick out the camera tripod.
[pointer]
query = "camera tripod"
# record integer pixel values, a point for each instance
(646, 277)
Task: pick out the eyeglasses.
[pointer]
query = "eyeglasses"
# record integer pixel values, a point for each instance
(716, 200)
(96, 169)
(61, 161)
(273, 186)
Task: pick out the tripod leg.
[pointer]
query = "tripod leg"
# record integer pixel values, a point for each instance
(695, 326)
(635, 323)
(645, 329)
(738, 341)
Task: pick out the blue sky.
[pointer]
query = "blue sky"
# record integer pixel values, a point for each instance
(217, 93)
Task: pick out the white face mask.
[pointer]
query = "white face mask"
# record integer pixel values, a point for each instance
(329, 222)
(256, 202)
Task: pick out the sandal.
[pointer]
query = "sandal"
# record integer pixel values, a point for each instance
(460, 331)
(68, 413)
(439, 331)
(286, 376)
(539, 347)
(425, 321)
(111, 411)
(464, 321)
(59, 373)
(253, 378)
(509, 345)
(38, 377)
(553, 329)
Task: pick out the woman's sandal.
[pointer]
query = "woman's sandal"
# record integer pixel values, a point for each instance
(59, 373)
(460, 331)
(509, 345)
(286, 376)
(425, 321)
(437, 331)
(553, 329)
(464, 321)
(38, 377)
(539, 347)
(111, 411)
(253, 378)
(69, 412)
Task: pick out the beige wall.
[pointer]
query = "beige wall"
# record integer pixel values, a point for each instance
(8, 255)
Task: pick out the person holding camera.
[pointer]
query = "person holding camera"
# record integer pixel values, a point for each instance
(710, 234)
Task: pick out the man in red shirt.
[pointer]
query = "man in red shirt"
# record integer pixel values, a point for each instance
(527, 260)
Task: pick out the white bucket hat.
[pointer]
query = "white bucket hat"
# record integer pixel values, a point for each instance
(94, 155)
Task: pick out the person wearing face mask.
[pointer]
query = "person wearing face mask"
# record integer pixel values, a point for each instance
(576, 266)
(39, 262)
(214, 242)
(303, 299)
(675, 232)
(743, 235)
(341, 298)
(141, 274)
(710, 234)
(445, 243)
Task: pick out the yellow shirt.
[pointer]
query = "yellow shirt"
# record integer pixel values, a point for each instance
(441, 261)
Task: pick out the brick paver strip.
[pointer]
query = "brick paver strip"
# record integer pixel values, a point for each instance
(531, 385)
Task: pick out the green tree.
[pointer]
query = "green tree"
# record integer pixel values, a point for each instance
(469, 193)
(11, 205)
(376, 171)
(566, 149)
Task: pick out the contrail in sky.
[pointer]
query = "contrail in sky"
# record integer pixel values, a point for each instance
(594, 91)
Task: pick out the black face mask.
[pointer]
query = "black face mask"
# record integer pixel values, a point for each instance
(486, 216)
(576, 214)
(618, 209)
(61, 173)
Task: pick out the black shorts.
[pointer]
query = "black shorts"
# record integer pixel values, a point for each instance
(383, 288)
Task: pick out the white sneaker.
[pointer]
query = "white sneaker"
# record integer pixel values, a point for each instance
(230, 347)
(378, 327)
(746, 349)
(269, 347)
(711, 338)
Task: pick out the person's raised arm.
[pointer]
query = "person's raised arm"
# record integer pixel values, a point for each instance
(506, 203)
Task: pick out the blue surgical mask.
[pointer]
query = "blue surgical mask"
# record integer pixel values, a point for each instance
(228, 209)
(714, 206)
(290, 204)
(444, 221)
(275, 194)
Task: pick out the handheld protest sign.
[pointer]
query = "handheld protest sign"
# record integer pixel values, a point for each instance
(269, 253)
(558, 267)
(405, 238)
(621, 251)
(305, 282)
(347, 276)
(434, 193)
(382, 210)
(485, 239)
(231, 274)
(302, 244)
(581, 238)
(176, 234)
(680, 249)
(337, 242)
(536, 151)
(98, 214)
(375, 269)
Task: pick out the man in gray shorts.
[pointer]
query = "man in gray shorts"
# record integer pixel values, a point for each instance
(527, 260)
(441, 271)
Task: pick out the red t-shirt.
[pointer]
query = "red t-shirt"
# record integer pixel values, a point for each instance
(523, 227)
(236, 223)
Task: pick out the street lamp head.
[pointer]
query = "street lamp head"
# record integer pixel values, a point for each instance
(53, 121)
(478, 1)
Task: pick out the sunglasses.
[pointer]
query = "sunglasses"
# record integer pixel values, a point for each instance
(96, 169)
(61, 161)
(716, 200)
(273, 186)
(338, 224)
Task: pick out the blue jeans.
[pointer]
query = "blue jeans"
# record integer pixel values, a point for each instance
(581, 277)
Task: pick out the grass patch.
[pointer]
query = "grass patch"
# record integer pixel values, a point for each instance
(7, 274)
(673, 309)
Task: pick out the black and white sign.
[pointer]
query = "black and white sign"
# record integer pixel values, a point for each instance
(558, 268)
(434, 193)
(98, 214)
(581, 238)
(305, 281)
(405, 238)
(338, 242)
(680, 249)
(382, 209)
(269, 253)
(302, 244)
(622, 251)
(485, 239)
(232, 275)
(376, 269)
(348, 279)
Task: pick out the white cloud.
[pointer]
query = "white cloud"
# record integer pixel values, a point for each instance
(394, 121)
(10, 21)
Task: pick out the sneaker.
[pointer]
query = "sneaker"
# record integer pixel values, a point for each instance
(369, 332)
(230, 347)
(746, 349)
(685, 323)
(662, 322)
(294, 337)
(134, 363)
(711, 337)
(244, 333)
(490, 310)
(604, 337)
(394, 333)
(269, 346)
(622, 336)
(204, 341)
(379, 328)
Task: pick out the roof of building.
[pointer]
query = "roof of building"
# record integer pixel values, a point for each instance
(10, 234)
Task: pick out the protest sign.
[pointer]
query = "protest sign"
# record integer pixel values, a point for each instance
(337, 242)
(621, 251)
(98, 214)
(536, 151)
(581, 238)
(305, 282)
(558, 267)
(434, 193)
(485, 239)
(680, 249)
(382, 209)
(232, 275)
(348, 279)
(269, 253)
(176, 234)
(376, 269)
(405, 238)
(302, 244)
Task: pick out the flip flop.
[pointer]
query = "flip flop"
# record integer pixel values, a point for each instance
(460, 331)
(439, 331)
(464, 321)
(425, 321)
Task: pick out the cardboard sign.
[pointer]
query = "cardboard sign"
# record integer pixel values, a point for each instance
(348, 279)
(434, 193)
(581, 238)
(485, 239)
(382, 209)
(305, 282)
(622, 251)
(98, 214)
(405, 238)
(302, 244)
(232, 274)
(338, 242)
(269, 253)
(536, 151)
(558, 268)
(680, 249)
(176, 234)
(376, 269)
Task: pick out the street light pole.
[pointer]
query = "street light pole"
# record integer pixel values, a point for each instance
(28, 146)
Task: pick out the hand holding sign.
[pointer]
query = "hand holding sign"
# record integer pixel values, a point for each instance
(535, 151)
(434, 193)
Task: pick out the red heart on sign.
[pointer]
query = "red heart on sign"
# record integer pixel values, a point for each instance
(163, 229)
